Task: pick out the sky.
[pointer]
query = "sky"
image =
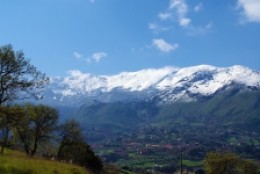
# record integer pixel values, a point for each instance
(105, 37)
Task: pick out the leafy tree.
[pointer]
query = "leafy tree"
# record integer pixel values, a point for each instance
(18, 80)
(37, 125)
(73, 147)
(10, 116)
(228, 163)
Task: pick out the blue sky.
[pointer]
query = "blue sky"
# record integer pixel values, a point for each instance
(111, 36)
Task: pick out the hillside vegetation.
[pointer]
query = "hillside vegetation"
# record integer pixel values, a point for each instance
(14, 162)
(234, 107)
(28, 127)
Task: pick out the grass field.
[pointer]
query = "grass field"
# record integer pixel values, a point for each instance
(14, 162)
(189, 163)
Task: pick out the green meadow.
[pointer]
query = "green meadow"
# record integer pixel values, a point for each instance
(14, 162)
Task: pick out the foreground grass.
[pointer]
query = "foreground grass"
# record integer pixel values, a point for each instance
(13, 162)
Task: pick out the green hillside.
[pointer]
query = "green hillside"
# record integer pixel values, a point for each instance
(118, 114)
(231, 107)
(14, 162)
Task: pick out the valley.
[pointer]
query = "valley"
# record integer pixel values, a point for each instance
(157, 148)
(144, 136)
(177, 113)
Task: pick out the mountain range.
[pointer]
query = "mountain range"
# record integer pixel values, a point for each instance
(159, 96)
(165, 85)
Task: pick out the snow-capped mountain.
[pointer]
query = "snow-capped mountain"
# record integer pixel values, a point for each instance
(166, 84)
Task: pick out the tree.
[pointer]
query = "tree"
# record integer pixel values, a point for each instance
(69, 133)
(10, 116)
(18, 80)
(228, 163)
(37, 125)
(73, 147)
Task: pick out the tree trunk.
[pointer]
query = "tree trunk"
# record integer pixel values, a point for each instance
(59, 151)
(34, 148)
(62, 144)
(25, 144)
(6, 134)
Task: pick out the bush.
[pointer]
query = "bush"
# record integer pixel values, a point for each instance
(219, 163)
(80, 153)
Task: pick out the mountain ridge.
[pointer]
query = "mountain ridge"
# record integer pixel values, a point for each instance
(168, 84)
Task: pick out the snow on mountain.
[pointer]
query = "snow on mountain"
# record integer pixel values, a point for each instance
(168, 83)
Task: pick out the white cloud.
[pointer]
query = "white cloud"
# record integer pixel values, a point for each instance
(94, 57)
(250, 10)
(77, 55)
(184, 21)
(181, 9)
(178, 12)
(198, 7)
(88, 61)
(164, 46)
(209, 25)
(165, 15)
(157, 28)
(180, 5)
(97, 56)
(198, 30)
(153, 26)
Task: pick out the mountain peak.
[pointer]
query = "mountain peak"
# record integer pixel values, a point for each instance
(170, 83)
